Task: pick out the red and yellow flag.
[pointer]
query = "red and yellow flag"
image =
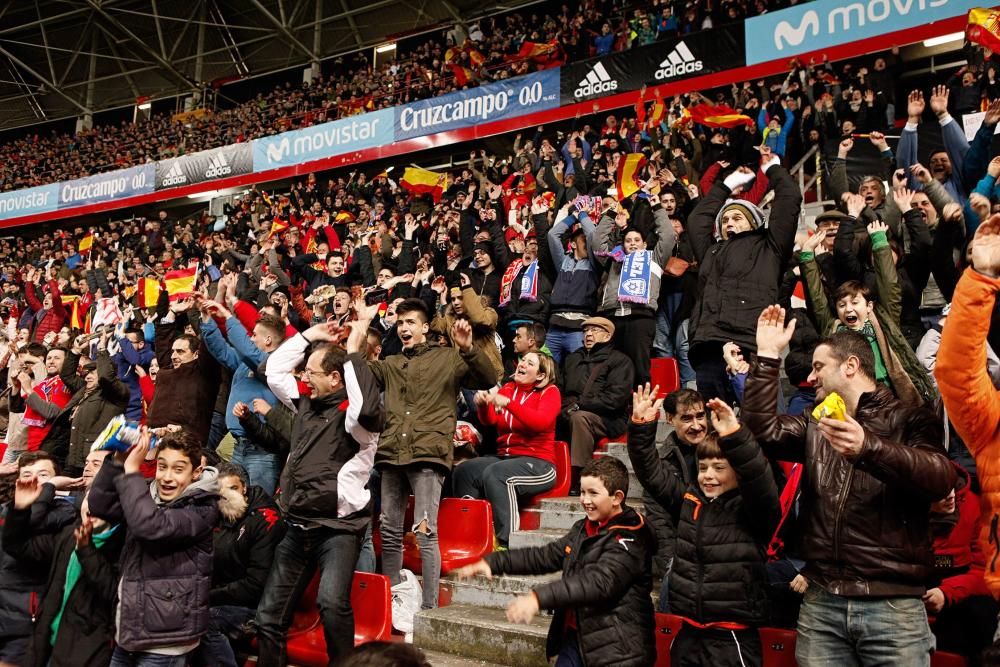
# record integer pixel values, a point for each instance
(180, 283)
(344, 218)
(984, 28)
(629, 169)
(86, 243)
(277, 227)
(148, 292)
(463, 75)
(72, 302)
(717, 115)
(423, 181)
(656, 114)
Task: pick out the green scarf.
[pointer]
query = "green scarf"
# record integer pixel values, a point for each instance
(73, 570)
(868, 331)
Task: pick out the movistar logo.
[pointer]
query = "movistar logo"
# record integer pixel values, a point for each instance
(784, 32)
(596, 82)
(678, 62)
(276, 151)
(175, 175)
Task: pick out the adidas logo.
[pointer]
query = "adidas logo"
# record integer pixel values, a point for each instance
(596, 82)
(679, 61)
(175, 176)
(218, 167)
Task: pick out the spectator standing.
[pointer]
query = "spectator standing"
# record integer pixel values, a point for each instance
(866, 492)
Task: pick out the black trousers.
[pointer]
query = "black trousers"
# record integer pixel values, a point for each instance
(634, 338)
(716, 648)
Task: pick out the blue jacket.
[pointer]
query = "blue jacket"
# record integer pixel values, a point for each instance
(243, 358)
(125, 362)
(604, 43)
(954, 144)
(575, 288)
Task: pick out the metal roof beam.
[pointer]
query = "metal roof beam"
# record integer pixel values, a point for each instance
(283, 29)
(49, 85)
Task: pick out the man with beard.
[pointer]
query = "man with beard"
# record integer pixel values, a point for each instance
(946, 166)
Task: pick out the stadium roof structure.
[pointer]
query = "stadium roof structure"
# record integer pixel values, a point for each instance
(65, 58)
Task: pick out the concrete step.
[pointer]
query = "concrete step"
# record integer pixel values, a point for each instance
(481, 633)
(437, 659)
(562, 513)
(496, 592)
(533, 538)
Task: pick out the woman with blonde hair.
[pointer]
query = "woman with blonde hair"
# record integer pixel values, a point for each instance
(524, 413)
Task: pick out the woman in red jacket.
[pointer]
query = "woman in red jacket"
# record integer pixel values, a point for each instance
(524, 413)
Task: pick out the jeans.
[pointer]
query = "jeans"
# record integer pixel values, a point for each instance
(562, 342)
(664, 341)
(296, 558)
(216, 430)
(261, 465)
(683, 359)
(123, 658)
(225, 624)
(569, 654)
(710, 369)
(863, 632)
(502, 481)
(426, 483)
(366, 559)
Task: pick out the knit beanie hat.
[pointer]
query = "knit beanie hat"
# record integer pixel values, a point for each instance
(750, 211)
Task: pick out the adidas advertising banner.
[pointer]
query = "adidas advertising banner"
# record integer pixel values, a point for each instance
(662, 62)
(823, 23)
(484, 104)
(203, 166)
(321, 141)
(105, 187)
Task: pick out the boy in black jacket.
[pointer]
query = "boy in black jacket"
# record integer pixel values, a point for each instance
(724, 523)
(602, 602)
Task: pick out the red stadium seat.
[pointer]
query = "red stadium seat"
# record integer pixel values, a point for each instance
(465, 534)
(372, 603)
(664, 372)
(667, 627)
(530, 520)
(778, 646)
(3, 449)
(943, 659)
(602, 444)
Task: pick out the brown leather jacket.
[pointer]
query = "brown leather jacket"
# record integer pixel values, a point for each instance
(864, 531)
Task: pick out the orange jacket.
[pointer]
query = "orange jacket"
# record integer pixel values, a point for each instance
(973, 404)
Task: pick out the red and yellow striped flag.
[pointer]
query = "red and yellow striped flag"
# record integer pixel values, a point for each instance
(73, 303)
(180, 283)
(717, 115)
(629, 168)
(984, 28)
(148, 292)
(423, 181)
(656, 114)
(86, 243)
(277, 227)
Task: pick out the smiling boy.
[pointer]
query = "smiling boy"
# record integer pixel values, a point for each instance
(166, 565)
(602, 603)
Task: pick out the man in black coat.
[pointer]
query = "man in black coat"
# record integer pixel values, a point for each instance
(250, 527)
(596, 385)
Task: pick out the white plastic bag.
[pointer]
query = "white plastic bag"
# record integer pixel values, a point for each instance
(407, 596)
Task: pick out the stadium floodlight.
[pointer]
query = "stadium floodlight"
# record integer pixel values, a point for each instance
(944, 39)
(145, 106)
(385, 48)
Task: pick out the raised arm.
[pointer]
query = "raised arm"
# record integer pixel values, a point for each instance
(281, 367)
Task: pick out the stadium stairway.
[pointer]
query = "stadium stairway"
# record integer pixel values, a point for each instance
(471, 622)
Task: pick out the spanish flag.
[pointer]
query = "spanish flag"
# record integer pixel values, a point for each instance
(180, 283)
(423, 181)
(86, 243)
(717, 115)
(463, 75)
(73, 304)
(148, 292)
(984, 28)
(344, 218)
(656, 114)
(277, 227)
(629, 169)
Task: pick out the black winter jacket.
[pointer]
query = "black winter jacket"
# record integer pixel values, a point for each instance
(718, 572)
(680, 460)
(22, 581)
(599, 380)
(606, 581)
(87, 626)
(739, 277)
(244, 551)
(166, 565)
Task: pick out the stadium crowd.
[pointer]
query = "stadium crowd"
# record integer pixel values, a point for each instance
(318, 352)
(491, 49)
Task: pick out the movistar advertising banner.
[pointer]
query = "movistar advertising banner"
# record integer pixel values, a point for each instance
(321, 141)
(824, 23)
(41, 199)
(476, 106)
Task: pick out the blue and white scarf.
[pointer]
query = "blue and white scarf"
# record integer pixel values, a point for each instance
(529, 282)
(635, 283)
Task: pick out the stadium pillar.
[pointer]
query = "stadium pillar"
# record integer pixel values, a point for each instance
(317, 39)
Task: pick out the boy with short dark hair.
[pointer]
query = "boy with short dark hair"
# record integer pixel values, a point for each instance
(602, 603)
(166, 564)
(725, 519)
